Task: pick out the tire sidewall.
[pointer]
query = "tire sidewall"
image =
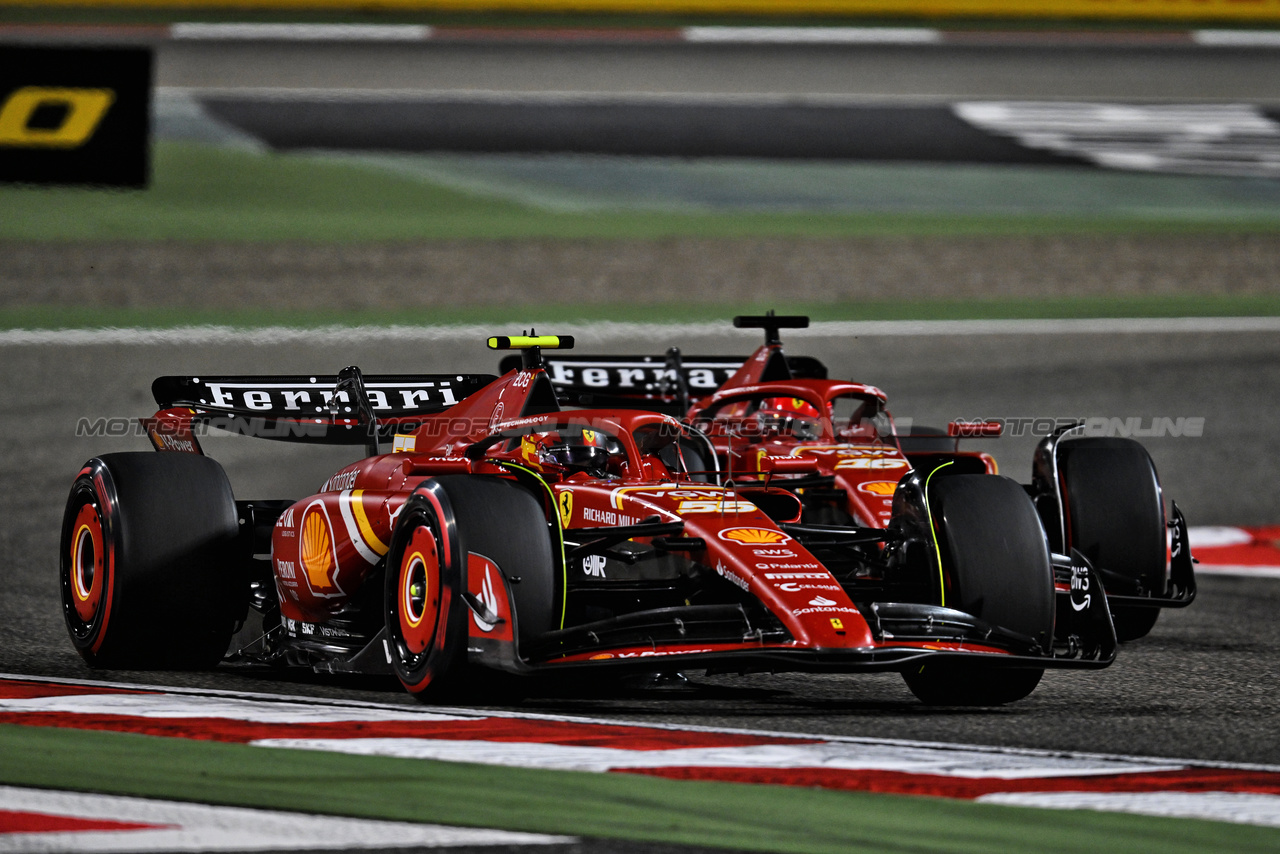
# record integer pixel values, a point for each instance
(92, 488)
(996, 554)
(423, 656)
(1112, 495)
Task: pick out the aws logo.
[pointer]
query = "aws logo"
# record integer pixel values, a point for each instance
(50, 117)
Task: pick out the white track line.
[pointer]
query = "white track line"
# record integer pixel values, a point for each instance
(1235, 807)
(608, 332)
(301, 32)
(850, 36)
(1236, 38)
(812, 35)
(197, 827)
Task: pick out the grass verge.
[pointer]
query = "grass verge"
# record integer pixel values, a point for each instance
(749, 818)
(202, 192)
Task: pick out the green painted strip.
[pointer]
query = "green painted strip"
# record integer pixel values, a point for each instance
(744, 817)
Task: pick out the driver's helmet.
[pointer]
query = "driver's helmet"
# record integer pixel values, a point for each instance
(577, 450)
(796, 407)
(788, 416)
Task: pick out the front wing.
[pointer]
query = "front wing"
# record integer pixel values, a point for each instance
(724, 638)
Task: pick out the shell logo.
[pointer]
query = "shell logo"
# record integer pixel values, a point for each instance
(318, 553)
(883, 488)
(754, 536)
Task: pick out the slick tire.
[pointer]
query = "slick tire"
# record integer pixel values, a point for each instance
(996, 561)
(1115, 517)
(427, 618)
(149, 574)
(957, 683)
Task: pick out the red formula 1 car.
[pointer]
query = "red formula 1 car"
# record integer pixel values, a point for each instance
(779, 420)
(503, 533)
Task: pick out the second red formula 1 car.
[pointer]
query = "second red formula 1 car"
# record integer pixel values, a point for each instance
(501, 533)
(779, 420)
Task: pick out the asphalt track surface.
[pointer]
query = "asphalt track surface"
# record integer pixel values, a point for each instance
(892, 73)
(1202, 686)
(882, 103)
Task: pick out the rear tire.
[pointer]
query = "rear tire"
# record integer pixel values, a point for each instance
(998, 569)
(427, 618)
(1115, 517)
(149, 576)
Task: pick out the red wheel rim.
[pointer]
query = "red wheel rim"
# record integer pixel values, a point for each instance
(87, 553)
(419, 591)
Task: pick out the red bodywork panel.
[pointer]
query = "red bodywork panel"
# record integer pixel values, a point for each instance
(743, 545)
(326, 546)
(865, 466)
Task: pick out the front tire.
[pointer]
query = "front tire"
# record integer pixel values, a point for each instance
(148, 570)
(962, 683)
(1115, 517)
(997, 568)
(427, 618)
(425, 612)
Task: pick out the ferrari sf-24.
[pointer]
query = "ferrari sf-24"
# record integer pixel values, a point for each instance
(490, 533)
(779, 419)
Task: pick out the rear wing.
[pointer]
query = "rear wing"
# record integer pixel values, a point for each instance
(659, 383)
(329, 409)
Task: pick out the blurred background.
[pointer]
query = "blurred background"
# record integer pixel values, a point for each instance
(323, 170)
(453, 160)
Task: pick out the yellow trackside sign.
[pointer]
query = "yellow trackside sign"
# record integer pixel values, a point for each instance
(79, 112)
(75, 115)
